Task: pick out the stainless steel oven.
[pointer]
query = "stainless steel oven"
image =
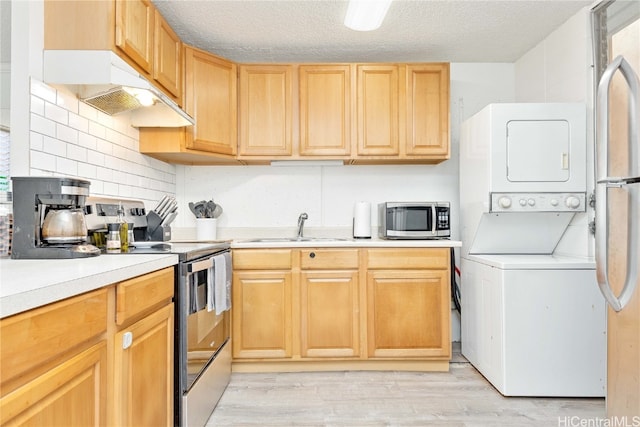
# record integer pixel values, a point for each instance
(203, 350)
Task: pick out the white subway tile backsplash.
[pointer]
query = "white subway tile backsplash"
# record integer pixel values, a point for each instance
(95, 158)
(111, 188)
(37, 105)
(104, 173)
(42, 125)
(78, 122)
(97, 130)
(68, 101)
(55, 113)
(43, 91)
(87, 141)
(42, 161)
(88, 171)
(67, 134)
(54, 146)
(75, 152)
(36, 141)
(71, 138)
(66, 166)
(87, 111)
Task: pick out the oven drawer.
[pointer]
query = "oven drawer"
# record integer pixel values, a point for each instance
(262, 259)
(328, 259)
(141, 294)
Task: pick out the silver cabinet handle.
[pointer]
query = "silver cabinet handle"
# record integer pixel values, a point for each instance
(617, 303)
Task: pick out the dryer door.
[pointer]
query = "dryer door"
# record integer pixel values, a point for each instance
(538, 150)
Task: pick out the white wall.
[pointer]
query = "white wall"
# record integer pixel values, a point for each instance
(559, 69)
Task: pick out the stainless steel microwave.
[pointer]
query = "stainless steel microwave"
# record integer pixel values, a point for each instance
(414, 220)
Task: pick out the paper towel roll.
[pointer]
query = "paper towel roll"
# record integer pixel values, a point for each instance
(362, 220)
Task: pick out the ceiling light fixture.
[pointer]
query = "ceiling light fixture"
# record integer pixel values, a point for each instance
(366, 15)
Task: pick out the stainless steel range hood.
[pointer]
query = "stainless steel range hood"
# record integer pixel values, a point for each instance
(105, 81)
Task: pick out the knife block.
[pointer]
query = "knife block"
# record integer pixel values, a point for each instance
(155, 231)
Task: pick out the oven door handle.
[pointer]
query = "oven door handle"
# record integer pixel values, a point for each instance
(194, 267)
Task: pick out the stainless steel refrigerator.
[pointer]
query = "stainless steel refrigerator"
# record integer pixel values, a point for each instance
(616, 36)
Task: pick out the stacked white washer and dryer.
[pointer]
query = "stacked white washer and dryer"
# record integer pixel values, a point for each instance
(533, 320)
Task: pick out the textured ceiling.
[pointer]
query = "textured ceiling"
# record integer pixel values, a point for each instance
(313, 30)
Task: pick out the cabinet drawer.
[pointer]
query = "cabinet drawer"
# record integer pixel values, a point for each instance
(311, 259)
(40, 335)
(408, 258)
(262, 259)
(137, 295)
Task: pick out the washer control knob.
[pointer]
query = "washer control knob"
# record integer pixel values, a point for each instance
(554, 202)
(531, 202)
(522, 202)
(505, 202)
(572, 202)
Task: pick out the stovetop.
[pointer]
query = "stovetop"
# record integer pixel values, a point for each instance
(185, 250)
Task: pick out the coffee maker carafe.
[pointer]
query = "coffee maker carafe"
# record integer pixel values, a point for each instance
(49, 218)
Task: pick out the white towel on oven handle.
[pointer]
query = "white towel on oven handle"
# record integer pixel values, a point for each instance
(211, 288)
(222, 267)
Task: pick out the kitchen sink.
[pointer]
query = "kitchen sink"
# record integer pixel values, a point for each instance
(295, 239)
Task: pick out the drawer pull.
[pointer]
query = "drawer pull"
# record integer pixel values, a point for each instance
(312, 254)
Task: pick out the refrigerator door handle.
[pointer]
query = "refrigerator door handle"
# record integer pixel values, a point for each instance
(617, 303)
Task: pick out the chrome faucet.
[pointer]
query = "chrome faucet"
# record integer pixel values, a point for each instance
(301, 219)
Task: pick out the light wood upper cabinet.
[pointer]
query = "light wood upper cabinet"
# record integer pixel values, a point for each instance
(427, 118)
(378, 110)
(403, 113)
(134, 31)
(325, 110)
(167, 57)
(210, 98)
(265, 97)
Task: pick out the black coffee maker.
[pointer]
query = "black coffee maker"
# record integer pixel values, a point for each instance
(49, 218)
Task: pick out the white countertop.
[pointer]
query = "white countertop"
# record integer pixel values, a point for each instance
(346, 243)
(30, 283)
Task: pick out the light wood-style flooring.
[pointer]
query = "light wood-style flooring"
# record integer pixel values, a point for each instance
(460, 397)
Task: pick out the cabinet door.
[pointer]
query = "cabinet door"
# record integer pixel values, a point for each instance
(329, 310)
(408, 313)
(73, 393)
(143, 371)
(427, 110)
(378, 110)
(167, 56)
(265, 110)
(262, 325)
(325, 110)
(210, 98)
(134, 31)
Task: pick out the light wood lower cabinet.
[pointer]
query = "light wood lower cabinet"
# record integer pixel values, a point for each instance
(143, 371)
(408, 313)
(342, 304)
(69, 363)
(262, 314)
(329, 324)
